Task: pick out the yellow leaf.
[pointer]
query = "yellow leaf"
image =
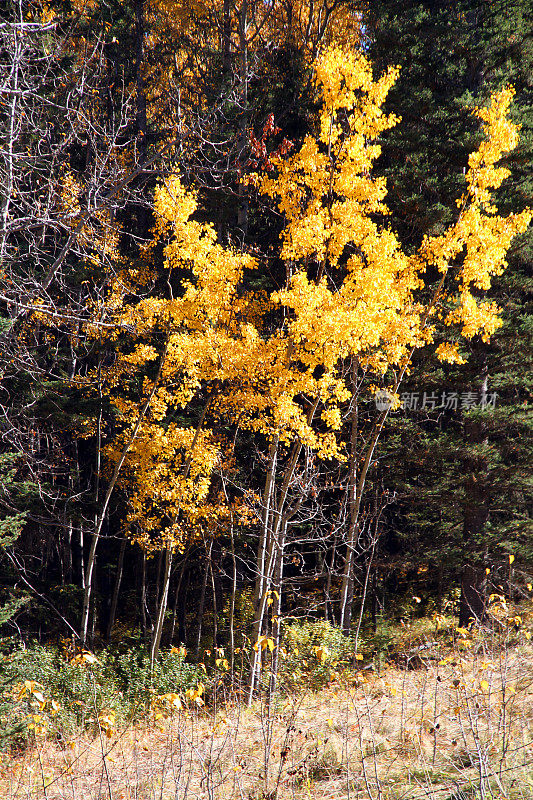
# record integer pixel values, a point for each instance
(84, 658)
(484, 686)
(511, 559)
(321, 653)
(90, 658)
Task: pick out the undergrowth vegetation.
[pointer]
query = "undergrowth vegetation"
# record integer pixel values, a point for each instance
(422, 709)
(64, 693)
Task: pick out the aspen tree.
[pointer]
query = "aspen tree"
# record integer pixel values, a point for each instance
(353, 296)
(378, 313)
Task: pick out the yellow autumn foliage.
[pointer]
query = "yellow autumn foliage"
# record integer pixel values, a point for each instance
(352, 292)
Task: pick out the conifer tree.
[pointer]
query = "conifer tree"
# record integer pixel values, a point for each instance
(473, 506)
(14, 494)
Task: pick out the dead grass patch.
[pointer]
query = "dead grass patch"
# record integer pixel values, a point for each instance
(456, 728)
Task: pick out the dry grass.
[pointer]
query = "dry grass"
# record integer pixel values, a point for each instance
(458, 727)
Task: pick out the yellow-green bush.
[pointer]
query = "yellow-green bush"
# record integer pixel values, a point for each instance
(312, 653)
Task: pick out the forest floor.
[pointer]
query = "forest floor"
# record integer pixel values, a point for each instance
(434, 725)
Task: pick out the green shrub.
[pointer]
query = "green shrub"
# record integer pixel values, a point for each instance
(85, 688)
(312, 653)
(13, 727)
(130, 670)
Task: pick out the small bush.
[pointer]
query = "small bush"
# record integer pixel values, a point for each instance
(312, 654)
(131, 672)
(85, 689)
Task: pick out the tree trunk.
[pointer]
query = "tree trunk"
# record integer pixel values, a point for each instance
(473, 596)
(277, 586)
(232, 603)
(374, 602)
(371, 550)
(226, 40)
(274, 525)
(116, 589)
(242, 211)
(9, 139)
(263, 558)
(182, 612)
(475, 515)
(233, 581)
(328, 609)
(353, 512)
(158, 588)
(201, 604)
(215, 604)
(176, 601)
(141, 118)
(144, 605)
(99, 521)
(156, 641)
